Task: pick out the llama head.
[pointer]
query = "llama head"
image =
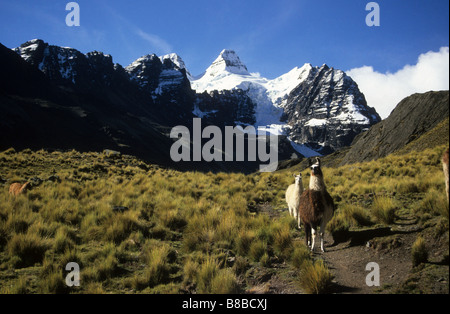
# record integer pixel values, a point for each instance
(298, 178)
(25, 187)
(315, 167)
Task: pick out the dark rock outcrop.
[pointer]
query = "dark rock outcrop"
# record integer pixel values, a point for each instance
(57, 97)
(413, 117)
(327, 110)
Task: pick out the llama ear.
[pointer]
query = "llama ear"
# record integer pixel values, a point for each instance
(318, 161)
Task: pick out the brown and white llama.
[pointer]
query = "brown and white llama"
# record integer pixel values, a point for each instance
(445, 168)
(293, 193)
(18, 188)
(316, 206)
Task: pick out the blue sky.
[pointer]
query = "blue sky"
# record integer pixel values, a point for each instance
(407, 53)
(271, 37)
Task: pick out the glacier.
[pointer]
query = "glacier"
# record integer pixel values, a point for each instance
(227, 72)
(301, 104)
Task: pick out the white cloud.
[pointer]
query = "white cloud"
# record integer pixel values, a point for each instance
(157, 42)
(126, 26)
(385, 90)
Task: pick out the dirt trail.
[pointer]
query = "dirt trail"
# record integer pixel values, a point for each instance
(389, 247)
(348, 264)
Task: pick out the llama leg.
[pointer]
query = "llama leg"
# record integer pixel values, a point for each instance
(446, 181)
(321, 234)
(307, 235)
(299, 222)
(313, 237)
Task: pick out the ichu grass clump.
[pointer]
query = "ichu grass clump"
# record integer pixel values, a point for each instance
(139, 228)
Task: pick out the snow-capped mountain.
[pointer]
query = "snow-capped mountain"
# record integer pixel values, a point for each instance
(327, 110)
(56, 62)
(319, 109)
(158, 75)
(166, 80)
(68, 66)
(176, 60)
(227, 62)
(227, 72)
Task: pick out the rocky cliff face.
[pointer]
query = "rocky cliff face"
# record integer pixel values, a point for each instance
(66, 66)
(320, 109)
(59, 98)
(228, 61)
(411, 118)
(225, 108)
(327, 110)
(316, 110)
(166, 81)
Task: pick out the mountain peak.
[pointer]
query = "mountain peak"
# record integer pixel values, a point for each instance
(227, 61)
(228, 54)
(176, 60)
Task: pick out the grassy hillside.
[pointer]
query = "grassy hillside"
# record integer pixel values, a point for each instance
(139, 228)
(437, 136)
(414, 116)
(134, 227)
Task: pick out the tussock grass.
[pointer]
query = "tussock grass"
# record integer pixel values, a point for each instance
(27, 249)
(208, 270)
(383, 209)
(419, 252)
(136, 226)
(300, 255)
(346, 217)
(339, 227)
(53, 283)
(258, 249)
(434, 202)
(157, 267)
(224, 282)
(315, 277)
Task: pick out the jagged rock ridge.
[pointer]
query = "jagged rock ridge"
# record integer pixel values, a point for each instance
(319, 109)
(327, 110)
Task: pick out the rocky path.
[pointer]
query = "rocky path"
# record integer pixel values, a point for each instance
(348, 264)
(389, 247)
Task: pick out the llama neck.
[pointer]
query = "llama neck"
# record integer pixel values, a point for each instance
(298, 188)
(316, 183)
(23, 187)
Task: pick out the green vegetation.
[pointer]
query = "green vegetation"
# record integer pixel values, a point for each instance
(315, 278)
(419, 252)
(134, 227)
(138, 228)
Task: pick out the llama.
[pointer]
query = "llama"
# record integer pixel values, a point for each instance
(316, 206)
(293, 193)
(445, 168)
(19, 188)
